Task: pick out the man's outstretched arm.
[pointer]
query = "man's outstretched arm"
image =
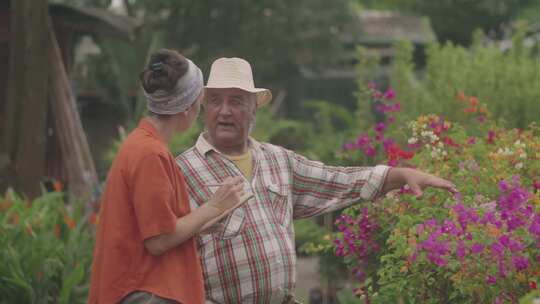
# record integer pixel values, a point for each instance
(416, 180)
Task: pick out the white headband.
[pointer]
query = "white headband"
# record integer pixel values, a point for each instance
(183, 95)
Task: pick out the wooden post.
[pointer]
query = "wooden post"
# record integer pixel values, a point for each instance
(75, 152)
(26, 104)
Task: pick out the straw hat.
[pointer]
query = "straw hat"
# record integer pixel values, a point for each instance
(236, 73)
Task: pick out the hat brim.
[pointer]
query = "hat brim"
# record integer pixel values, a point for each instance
(263, 95)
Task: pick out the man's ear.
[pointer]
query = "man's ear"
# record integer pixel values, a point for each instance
(254, 111)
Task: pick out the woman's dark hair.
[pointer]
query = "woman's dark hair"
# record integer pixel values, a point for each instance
(163, 70)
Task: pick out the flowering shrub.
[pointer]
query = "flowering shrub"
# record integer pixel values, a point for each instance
(45, 250)
(481, 245)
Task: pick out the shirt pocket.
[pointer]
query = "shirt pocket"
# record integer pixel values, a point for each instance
(279, 203)
(232, 224)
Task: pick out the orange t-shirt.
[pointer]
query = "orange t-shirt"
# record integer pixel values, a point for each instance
(144, 195)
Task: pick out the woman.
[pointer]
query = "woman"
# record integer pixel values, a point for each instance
(144, 250)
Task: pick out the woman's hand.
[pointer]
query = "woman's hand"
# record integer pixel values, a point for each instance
(227, 196)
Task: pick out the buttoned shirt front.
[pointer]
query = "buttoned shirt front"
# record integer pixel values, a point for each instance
(252, 258)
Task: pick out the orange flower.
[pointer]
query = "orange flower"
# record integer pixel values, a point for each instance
(473, 101)
(69, 222)
(58, 186)
(461, 96)
(471, 109)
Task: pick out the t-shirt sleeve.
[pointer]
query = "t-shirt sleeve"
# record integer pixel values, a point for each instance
(153, 196)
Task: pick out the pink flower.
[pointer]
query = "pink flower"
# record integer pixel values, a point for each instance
(380, 127)
(471, 140)
(362, 140)
(370, 151)
(504, 186)
(392, 162)
(482, 119)
(491, 136)
(348, 146)
(477, 248)
(389, 94)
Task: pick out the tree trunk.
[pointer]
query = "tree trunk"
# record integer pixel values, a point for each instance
(75, 153)
(26, 104)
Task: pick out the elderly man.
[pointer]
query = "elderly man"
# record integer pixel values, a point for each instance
(250, 257)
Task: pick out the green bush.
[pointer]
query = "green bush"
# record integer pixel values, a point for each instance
(479, 246)
(507, 81)
(45, 250)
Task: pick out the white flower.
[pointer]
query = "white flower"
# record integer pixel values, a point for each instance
(519, 165)
(412, 140)
(519, 144)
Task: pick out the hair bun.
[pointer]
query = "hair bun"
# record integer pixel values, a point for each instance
(163, 71)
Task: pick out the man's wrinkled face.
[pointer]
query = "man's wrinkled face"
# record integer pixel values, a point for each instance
(228, 115)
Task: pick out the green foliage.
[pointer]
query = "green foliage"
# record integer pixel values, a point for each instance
(399, 270)
(455, 20)
(504, 81)
(45, 249)
(308, 233)
(205, 30)
(113, 74)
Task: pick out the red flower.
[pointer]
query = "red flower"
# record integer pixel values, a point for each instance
(450, 142)
(395, 152)
(532, 284)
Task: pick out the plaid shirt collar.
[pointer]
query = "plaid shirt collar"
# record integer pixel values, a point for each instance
(204, 146)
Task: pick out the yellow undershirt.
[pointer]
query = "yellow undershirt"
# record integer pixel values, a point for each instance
(244, 162)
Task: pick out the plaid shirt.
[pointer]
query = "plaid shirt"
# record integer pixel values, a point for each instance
(252, 259)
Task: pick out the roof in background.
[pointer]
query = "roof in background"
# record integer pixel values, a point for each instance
(384, 27)
(94, 20)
